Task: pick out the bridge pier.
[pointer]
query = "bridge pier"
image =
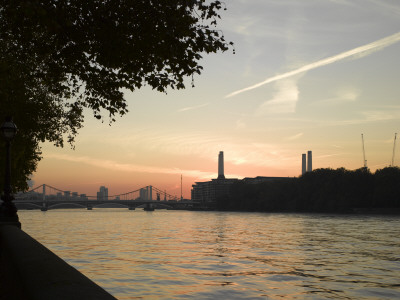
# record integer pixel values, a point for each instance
(44, 207)
(148, 207)
(89, 207)
(131, 208)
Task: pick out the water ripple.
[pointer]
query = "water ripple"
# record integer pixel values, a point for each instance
(206, 255)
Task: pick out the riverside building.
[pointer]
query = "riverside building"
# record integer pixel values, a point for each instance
(208, 192)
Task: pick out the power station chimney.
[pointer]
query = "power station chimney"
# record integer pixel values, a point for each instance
(303, 163)
(309, 161)
(221, 165)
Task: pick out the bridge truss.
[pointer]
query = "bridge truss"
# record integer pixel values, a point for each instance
(46, 192)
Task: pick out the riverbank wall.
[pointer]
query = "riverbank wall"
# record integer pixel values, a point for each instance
(28, 270)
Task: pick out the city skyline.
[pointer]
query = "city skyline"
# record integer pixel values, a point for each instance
(305, 76)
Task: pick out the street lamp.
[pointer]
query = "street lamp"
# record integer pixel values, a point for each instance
(8, 211)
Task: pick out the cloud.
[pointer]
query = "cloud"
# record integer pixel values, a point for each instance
(387, 7)
(369, 116)
(202, 145)
(337, 146)
(124, 167)
(354, 53)
(284, 100)
(294, 137)
(193, 107)
(342, 96)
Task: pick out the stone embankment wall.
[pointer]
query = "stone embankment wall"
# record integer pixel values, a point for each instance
(28, 270)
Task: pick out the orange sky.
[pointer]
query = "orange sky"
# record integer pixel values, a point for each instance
(304, 77)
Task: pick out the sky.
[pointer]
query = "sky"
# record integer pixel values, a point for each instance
(306, 75)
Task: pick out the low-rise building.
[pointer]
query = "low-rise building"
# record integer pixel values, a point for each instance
(209, 191)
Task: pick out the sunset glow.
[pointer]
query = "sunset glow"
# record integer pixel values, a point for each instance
(307, 75)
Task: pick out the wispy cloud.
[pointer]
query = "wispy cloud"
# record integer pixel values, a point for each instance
(389, 8)
(330, 155)
(366, 117)
(294, 137)
(337, 146)
(354, 53)
(193, 107)
(284, 100)
(342, 96)
(124, 167)
(205, 146)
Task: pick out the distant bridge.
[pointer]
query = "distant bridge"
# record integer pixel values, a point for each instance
(46, 197)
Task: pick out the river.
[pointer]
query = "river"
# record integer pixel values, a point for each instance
(168, 254)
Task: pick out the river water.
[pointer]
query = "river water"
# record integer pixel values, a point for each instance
(168, 254)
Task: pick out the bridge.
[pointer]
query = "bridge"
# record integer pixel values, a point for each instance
(46, 197)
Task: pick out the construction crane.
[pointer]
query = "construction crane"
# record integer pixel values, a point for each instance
(394, 148)
(365, 161)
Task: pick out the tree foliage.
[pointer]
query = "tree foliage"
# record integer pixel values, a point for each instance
(58, 57)
(322, 190)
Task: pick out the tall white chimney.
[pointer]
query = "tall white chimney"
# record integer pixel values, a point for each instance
(303, 164)
(309, 161)
(221, 165)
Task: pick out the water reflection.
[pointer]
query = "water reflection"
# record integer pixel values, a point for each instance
(205, 255)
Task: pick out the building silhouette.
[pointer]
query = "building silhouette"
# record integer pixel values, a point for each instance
(306, 162)
(303, 164)
(208, 192)
(221, 165)
(102, 194)
(309, 161)
(146, 194)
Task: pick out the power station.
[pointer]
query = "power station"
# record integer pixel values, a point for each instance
(306, 162)
(208, 192)
(221, 165)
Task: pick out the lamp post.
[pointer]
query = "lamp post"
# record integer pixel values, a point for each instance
(8, 211)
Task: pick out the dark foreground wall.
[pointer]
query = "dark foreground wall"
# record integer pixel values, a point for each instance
(28, 270)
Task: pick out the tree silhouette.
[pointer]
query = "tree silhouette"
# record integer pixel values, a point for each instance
(322, 190)
(58, 57)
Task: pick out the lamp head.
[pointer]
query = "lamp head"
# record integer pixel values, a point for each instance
(8, 129)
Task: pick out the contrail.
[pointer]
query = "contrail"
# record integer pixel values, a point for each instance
(363, 50)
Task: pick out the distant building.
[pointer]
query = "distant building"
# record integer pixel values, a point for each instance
(221, 174)
(143, 194)
(303, 164)
(306, 162)
(208, 192)
(260, 179)
(102, 195)
(309, 161)
(146, 194)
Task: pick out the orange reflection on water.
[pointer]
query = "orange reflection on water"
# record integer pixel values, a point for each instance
(173, 254)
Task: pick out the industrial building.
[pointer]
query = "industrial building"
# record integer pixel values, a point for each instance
(306, 162)
(208, 192)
